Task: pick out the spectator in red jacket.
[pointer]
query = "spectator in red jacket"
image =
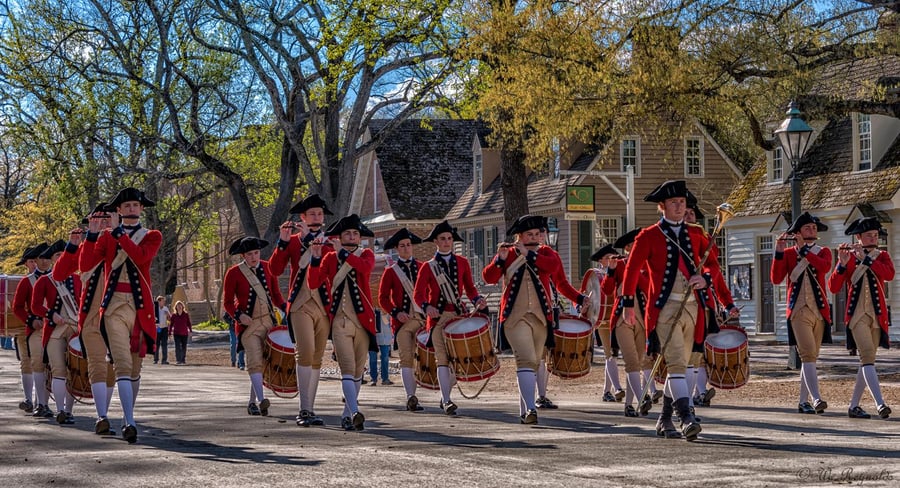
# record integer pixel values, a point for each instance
(180, 329)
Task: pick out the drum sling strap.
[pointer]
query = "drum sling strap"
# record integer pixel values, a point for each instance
(407, 288)
(69, 308)
(258, 288)
(447, 289)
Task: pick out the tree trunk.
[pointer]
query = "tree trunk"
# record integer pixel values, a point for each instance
(514, 182)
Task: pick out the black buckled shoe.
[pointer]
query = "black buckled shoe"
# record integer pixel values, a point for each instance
(252, 409)
(412, 404)
(530, 417)
(690, 428)
(42, 411)
(708, 396)
(129, 433)
(347, 424)
(101, 427)
(608, 397)
(65, 418)
(696, 418)
(358, 420)
(645, 405)
(264, 407)
(858, 413)
(619, 395)
(544, 402)
(449, 408)
(820, 405)
(315, 420)
(805, 408)
(630, 411)
(657, 395)
(664, 425)
(303, 418)
(26, 405)
(884, 411)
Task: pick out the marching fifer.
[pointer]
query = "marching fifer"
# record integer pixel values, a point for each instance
(601, 310)
(22, 310)
(864, 269)
(31, 347)
(808, 313)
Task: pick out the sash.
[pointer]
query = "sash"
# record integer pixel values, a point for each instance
(257, 288)
(861, 269)
(802, 265)
(121, 256)
(344, 270)
(407, 287)
(447, 290)
(69, 308)
(514, 266)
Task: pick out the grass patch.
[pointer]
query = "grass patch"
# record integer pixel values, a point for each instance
(211, 324)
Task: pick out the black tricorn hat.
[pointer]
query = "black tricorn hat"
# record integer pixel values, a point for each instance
(627, 238)
(247, 244)
(864, 224)
(25, 256)
(350, 222)
(669, 189)
(603, 251)
(803, 219)
(312, 201)
(692, 204)
(36, 251)
(398, 236)
(49, 251)
(440, 229)
(129, 195)
(101, 207)
(527, 222)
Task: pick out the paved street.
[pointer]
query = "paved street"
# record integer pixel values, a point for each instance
(194, 431)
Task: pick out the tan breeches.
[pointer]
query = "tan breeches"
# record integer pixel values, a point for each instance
(118, 320)
(633, 344)
(678, 350)
(254, 341)
(311, 328)
(605, 338)
(526, 337)
(808, 326)
(24, 357)
(437, 338)
(99, 369)
(867, 334)
(58, 349)
(406, 342)
(36, 347)
(351, 345)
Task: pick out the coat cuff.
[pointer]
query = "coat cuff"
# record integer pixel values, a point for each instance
(628, 301)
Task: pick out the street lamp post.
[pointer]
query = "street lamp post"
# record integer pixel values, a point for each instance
(794, 135)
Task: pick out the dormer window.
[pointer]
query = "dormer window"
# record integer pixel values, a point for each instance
(630, 154)
(776, 166)
(693, 157)
(477, 171)
(864, 142)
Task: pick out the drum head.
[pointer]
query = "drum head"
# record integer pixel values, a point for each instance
(75, 345)
(727, 339)
(280, 337)
(466, 325)
(573, 325)
(422, 337)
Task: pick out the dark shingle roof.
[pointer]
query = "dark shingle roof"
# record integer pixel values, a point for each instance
(542, 190)
(858, 80)
(433, 158)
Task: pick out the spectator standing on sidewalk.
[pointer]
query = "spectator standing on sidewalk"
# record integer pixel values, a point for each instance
(180, 328)
(237, 357)
(384, 338)
(162, 330)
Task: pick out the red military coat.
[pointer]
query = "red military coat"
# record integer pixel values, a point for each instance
(391, 294)
(820, 262)
(611, 282)
(103, 248)
(651, 252)
(428, 292)
(45, 302)
(236, 293)
(66, 265)
(289, 253)
(544, 261)
(883, 270)
(322, 273)
(22, 302)
(558, 275)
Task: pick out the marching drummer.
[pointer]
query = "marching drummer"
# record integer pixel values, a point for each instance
(346, 273)
(865, 268)
(395, 296)
(251, 293)
(808, 312)
(30, 349)
(671, 252)
(439, 288)
(601, 309)
(308, 321)
(630, 338)
(100, 373)
(55, 300)
(21, 308)
(526, 314)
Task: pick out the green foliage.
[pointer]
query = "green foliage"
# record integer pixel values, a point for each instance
(212, 324)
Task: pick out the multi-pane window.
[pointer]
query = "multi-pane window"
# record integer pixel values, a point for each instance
(477, 165)
(766, 244)
(607, 231)
(864, 126)
(778, 165)
(630, 156)
(693, 157)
